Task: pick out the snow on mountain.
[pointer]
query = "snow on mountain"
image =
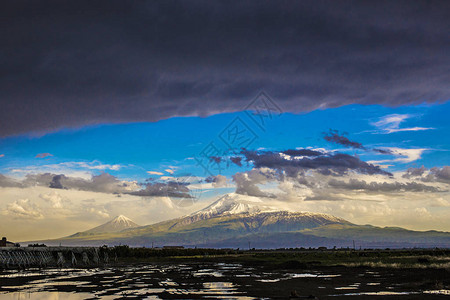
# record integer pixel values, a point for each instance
(234, 219)
(119, 223)
(255, 208)
(247, 214)
(234, 204)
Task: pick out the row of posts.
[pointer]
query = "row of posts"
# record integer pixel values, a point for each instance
(11, 258)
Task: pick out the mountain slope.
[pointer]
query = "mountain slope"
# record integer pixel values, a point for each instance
(373, 236)
(117, 224)
(234, 220)
(253, 211)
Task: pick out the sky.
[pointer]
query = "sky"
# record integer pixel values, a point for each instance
(155, 109)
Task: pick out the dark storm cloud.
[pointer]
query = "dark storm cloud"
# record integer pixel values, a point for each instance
(327, 164)
(441, 174)
(56, 182)
(414, 172)
(8, 182)
(103, 183)
(165, 189)
(210, 179)
(217, 181)
(383, 151)
(333, 136)
(271, 166)
(302, 152)
(42, 179)
(68, 64)
(246, 183)
(434, 174)
(381, 187)
(216, 159)
(236, 160)
(438, 175)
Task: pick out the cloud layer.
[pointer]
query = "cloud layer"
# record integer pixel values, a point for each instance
(181, 187)
(72, 64)
(325, 163)
(304, 174)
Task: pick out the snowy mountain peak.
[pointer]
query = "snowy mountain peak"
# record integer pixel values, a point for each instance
(255, 209)
(119, 223)
(232, 203)
(121, 219)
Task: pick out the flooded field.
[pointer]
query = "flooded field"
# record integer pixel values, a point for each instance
(213, 280)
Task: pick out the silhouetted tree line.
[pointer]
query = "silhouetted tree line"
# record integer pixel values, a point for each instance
(126, 251)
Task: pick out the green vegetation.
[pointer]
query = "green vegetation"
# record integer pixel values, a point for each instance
(294, 258)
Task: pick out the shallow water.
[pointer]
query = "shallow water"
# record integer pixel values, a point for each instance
(201, 281)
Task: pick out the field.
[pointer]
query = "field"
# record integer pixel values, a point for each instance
(411, 258)
(145, 273)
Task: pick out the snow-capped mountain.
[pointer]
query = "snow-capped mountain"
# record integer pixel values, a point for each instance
(229, 204)
(117, 224)
(234, 220)
(233, 204)
(253, 208)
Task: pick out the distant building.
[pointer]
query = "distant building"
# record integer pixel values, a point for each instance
(5, 243)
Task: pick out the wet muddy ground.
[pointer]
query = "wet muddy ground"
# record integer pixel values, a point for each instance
(215, 280)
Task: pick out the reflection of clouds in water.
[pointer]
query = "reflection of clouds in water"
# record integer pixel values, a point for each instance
(152, 280)
(47, 296)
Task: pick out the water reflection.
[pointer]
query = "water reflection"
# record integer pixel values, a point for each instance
(49, 296)
(199, 281)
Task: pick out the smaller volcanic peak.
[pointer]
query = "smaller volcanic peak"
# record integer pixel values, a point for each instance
(119, 223)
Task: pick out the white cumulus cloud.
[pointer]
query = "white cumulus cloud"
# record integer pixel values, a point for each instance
(23, 208)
